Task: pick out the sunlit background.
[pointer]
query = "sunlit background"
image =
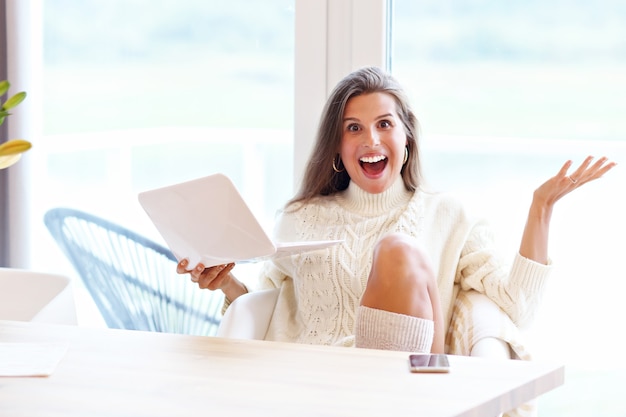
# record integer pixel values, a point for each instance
(140, 94)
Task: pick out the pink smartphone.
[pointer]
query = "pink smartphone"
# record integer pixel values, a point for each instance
(429, 362)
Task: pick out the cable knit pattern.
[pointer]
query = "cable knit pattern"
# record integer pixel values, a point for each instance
(320, 291)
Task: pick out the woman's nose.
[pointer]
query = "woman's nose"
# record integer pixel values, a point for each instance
(372, 138)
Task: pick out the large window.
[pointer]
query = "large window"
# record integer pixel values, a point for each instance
(141, 94)
(153, 93)
(506, 92)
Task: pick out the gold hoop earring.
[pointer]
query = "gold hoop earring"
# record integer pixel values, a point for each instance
(335, 166)
(406, 155)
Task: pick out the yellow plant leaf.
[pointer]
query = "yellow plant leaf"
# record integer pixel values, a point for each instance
(14, 146)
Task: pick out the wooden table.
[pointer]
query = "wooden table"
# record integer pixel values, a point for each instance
(130, 373)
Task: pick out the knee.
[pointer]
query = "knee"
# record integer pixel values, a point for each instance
(396, 245)
(401, 279)
(398, 255)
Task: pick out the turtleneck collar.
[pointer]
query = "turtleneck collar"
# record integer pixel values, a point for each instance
(356, 199)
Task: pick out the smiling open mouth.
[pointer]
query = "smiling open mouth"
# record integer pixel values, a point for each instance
(373, 165)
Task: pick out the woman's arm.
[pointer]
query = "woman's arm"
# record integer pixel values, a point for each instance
(534, 243)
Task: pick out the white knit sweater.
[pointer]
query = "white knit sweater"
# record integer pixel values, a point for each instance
(321, 290)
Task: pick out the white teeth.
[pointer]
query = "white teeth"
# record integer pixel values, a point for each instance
(373, 159)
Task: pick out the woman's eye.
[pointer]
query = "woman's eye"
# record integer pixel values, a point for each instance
(385, 123)
(353, 128)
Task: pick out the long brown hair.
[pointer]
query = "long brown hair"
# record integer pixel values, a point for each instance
(320, 178)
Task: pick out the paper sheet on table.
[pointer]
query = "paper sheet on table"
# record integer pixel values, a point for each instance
(30, 359)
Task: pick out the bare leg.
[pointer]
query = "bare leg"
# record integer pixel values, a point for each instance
(402, 281)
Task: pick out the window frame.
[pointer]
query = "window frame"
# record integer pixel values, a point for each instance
(333, 37)
(24, 36)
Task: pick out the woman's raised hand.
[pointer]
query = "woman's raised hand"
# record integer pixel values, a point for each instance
(213, 278)
(561, 184)
(534, 243)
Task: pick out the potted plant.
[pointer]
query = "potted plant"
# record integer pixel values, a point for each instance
(11, 151)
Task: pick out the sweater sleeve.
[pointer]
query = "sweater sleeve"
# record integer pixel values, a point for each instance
(271, 276)
(518, 291)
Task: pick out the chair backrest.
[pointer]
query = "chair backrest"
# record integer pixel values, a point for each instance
(131, 278)
(249, 315)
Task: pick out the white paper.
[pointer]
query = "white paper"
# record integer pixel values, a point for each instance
(30, 359)
(207, 220)
(290, 248)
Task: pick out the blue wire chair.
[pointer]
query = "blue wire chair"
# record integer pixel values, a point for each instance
(133, 280)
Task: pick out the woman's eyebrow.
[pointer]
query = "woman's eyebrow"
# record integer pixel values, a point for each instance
(355, 119)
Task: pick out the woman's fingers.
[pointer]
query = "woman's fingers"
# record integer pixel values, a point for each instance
(601, 167)
(563, 183)
(199, 272)
(181, 268)
(221, 273)
(587, 172)
(211, 278)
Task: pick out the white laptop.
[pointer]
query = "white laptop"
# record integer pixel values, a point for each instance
(206, 220)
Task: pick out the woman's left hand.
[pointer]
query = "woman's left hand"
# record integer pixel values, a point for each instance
(534, 243)
(561, 184)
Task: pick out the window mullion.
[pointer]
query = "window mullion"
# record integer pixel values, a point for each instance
(333, 37)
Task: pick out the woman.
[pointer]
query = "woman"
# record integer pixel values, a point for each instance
(406, 253)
